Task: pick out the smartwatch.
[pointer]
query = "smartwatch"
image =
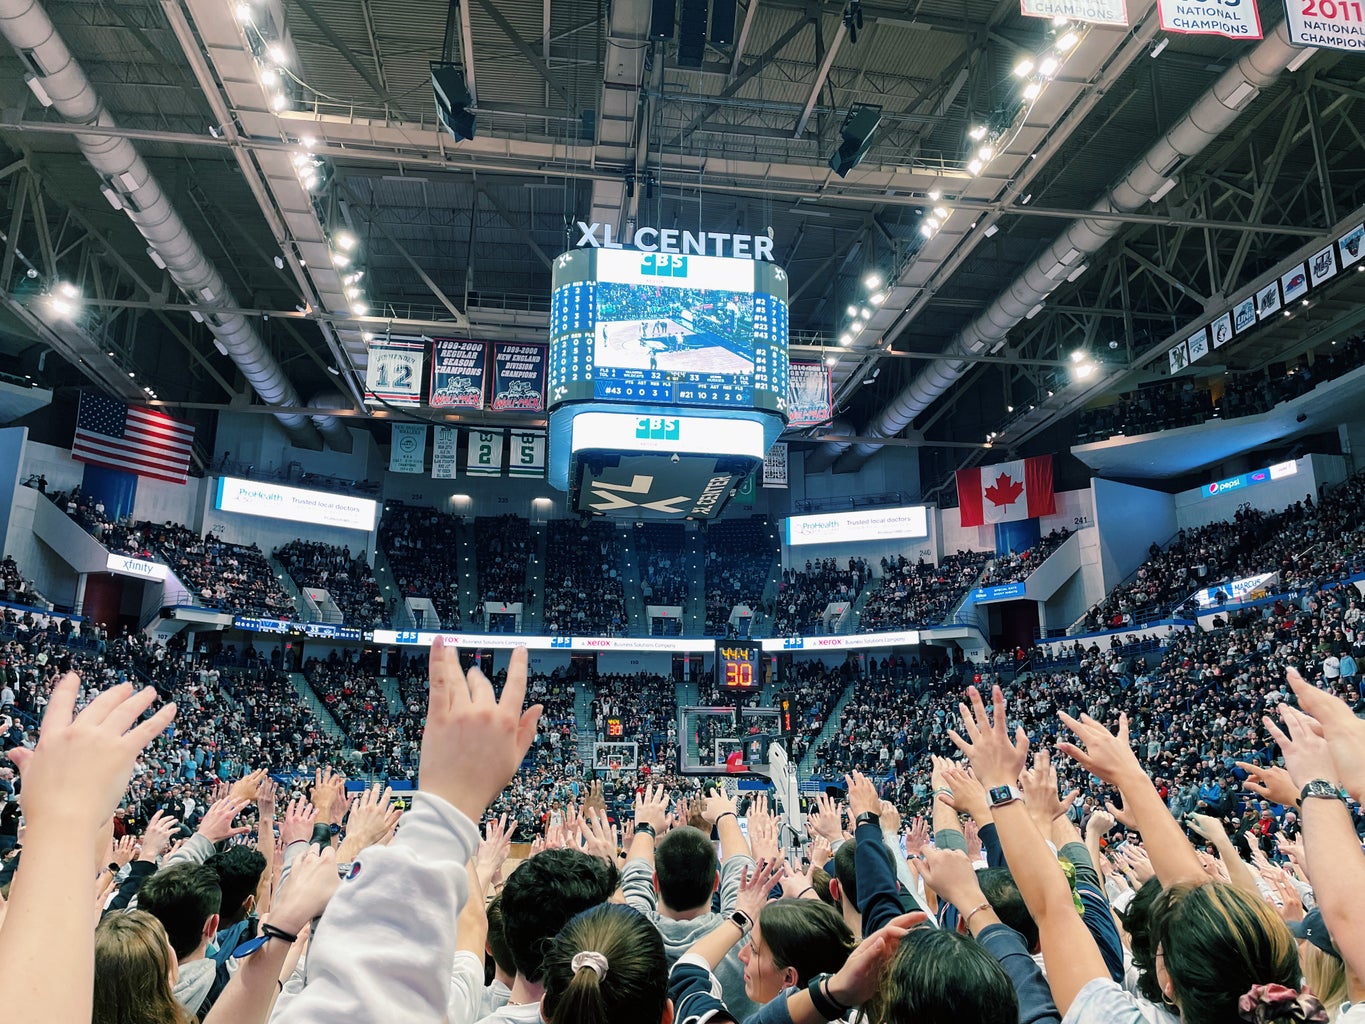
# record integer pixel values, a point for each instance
(334, 829)
(1322, 789)
(1001, 795)
(867, 818)
(742, 921)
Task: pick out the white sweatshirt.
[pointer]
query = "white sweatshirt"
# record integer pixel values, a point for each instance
(385, 948)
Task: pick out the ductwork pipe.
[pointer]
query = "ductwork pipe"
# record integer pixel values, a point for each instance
(332, 428)
(1211, 114)
(823, 457)
(120, 167)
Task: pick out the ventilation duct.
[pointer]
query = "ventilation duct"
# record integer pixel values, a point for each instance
(823, 457)
(29, 30)
(331, 427)
(1211, 114)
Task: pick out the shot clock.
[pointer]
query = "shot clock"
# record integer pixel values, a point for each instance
(737, 665)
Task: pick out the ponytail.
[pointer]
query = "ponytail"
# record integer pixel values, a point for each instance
(606, 966)
(582, 1001)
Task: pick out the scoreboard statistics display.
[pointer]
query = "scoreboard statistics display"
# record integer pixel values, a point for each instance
(737, 665)
(668, 330)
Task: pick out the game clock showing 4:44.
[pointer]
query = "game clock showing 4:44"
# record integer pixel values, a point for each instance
(737, 665)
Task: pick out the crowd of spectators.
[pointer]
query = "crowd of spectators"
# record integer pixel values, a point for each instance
(504, 548)
(803, 595)
(349, 688)
(1185, 401)
(348, 581)
(1017, 566)
(584, 591)
(423, 549)
(645, 706)
(663, 564)
(919, 593)
(740, 557)
(14, 585)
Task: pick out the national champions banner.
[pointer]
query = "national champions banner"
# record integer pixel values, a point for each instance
(1333, 23)
(457, 373)
(809, 401)
(775, 466)
(518, 378)
(393, 374)
(445, 447)
(409, 448)
(485, 453)
(1210, 18)
(527, 458)
(1097, 12)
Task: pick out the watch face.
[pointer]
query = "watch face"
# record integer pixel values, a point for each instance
(1001, 795)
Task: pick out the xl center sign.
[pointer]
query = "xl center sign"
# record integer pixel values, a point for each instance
(656, 487)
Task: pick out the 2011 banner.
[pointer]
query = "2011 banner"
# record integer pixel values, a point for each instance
(1338, 24)
(457, 373)
(518, 378)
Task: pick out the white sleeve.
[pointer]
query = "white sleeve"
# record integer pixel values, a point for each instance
(466, 989)
(384, 947)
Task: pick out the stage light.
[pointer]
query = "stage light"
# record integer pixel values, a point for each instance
(1024, 68)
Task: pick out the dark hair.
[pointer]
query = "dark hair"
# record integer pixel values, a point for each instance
(806, 935)
(497, 940)
(133, 973)
(685, 862)
(1001, 892)
(182, 897)
(1216, 942)
(940, 977)
(1136, 919)
(634, 987)
(540, 897)
(846, 873)
(239, 870)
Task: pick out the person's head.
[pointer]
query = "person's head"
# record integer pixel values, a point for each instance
(135, 970)
(685, 869)
(1213, 943)
(1001, 892)
(540, 897)
(186, 899)
(1324, 972)
(607, 966)
(1136, 919)
(940, 977)
(239, 870)
(792, 942)
(497, 940)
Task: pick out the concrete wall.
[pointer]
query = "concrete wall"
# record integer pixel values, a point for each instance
(1130, 520)
(1193, 509)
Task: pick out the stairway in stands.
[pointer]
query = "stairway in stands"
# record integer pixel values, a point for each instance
(582, 711)
(806, 768)
(287, 583)
(628, 565)
(694, 611)
(393, 696)
(309, 696)
(533, 612)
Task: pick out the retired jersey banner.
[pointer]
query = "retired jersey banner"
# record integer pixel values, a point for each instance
(1211, 18)
(775, 466)
(393, 375)
(485, 453)
(1097, 12)
(1006, 492)
(445, 446)
(809, 401)
(457, 372)
(518, 378)
(1332, 23)
(409, 448)
(527, 456)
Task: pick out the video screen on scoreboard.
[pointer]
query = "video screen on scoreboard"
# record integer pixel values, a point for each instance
(656, 328)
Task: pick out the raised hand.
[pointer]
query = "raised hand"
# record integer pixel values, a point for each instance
(266, 792)
(1101, 823)
(952, 875)
(299, 818)
(862, 796)
(245, 789)
(1039, 785)
(156, 837)
(862, 974)
(80, 768)
(1107, 755)
(651, 808)
(916, 837)
(825, 820)
(1306, 752)
(329, 795)
(1345, 733)
(821, 853)
(216, 824)
(1270, 783)
(754, 888)
(1121, 815)
(763, 832)
(371, 822)
(124, 851)
(718, 802)
(598, 836)
(1139, 864)
(1288, 902)
(594, 801)
(971, 831)
(891, 818)
(312, 881)
(968, 795)
(493, 850)
(473, 743)
(997, 760)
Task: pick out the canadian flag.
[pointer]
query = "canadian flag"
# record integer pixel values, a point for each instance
(1007, 491)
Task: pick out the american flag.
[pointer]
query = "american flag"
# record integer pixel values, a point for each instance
(132, 439)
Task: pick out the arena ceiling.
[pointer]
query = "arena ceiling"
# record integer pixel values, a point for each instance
(582, 117)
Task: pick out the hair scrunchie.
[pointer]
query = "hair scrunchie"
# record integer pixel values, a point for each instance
(1265, 1003)
(596, 962)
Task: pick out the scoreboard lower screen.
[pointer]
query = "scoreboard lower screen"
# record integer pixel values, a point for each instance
(737, 665)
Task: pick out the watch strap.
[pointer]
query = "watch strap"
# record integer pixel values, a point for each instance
(1001, 795)
(867, 818)
(1322, 789)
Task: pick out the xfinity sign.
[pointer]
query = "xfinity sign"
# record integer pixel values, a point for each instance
(683, 243)
(142, 569)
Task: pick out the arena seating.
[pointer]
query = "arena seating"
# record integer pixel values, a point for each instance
(918, 593)
(803, 594)
(422, 546)
(1017, 566)
(584, 592)
(349, 690)
(663, 570)
(349, 581)
(14, 586)
(740, 555)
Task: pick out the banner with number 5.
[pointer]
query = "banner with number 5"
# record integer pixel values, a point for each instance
(1338, 24)
(1237, 20)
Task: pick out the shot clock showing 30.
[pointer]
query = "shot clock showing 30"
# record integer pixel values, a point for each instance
(737, 665)
(1339, 24)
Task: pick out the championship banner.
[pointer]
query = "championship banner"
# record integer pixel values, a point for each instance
(485, 453)
(393, 375)
(809, 401)
(528, 454)
(1351, 246)
(1332, 23)
(775, 466)
(1097, 12)
(457, 372)
(409, 448)
(1006, 492)
(1210, 18)
(518, 378)
(445, 446)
